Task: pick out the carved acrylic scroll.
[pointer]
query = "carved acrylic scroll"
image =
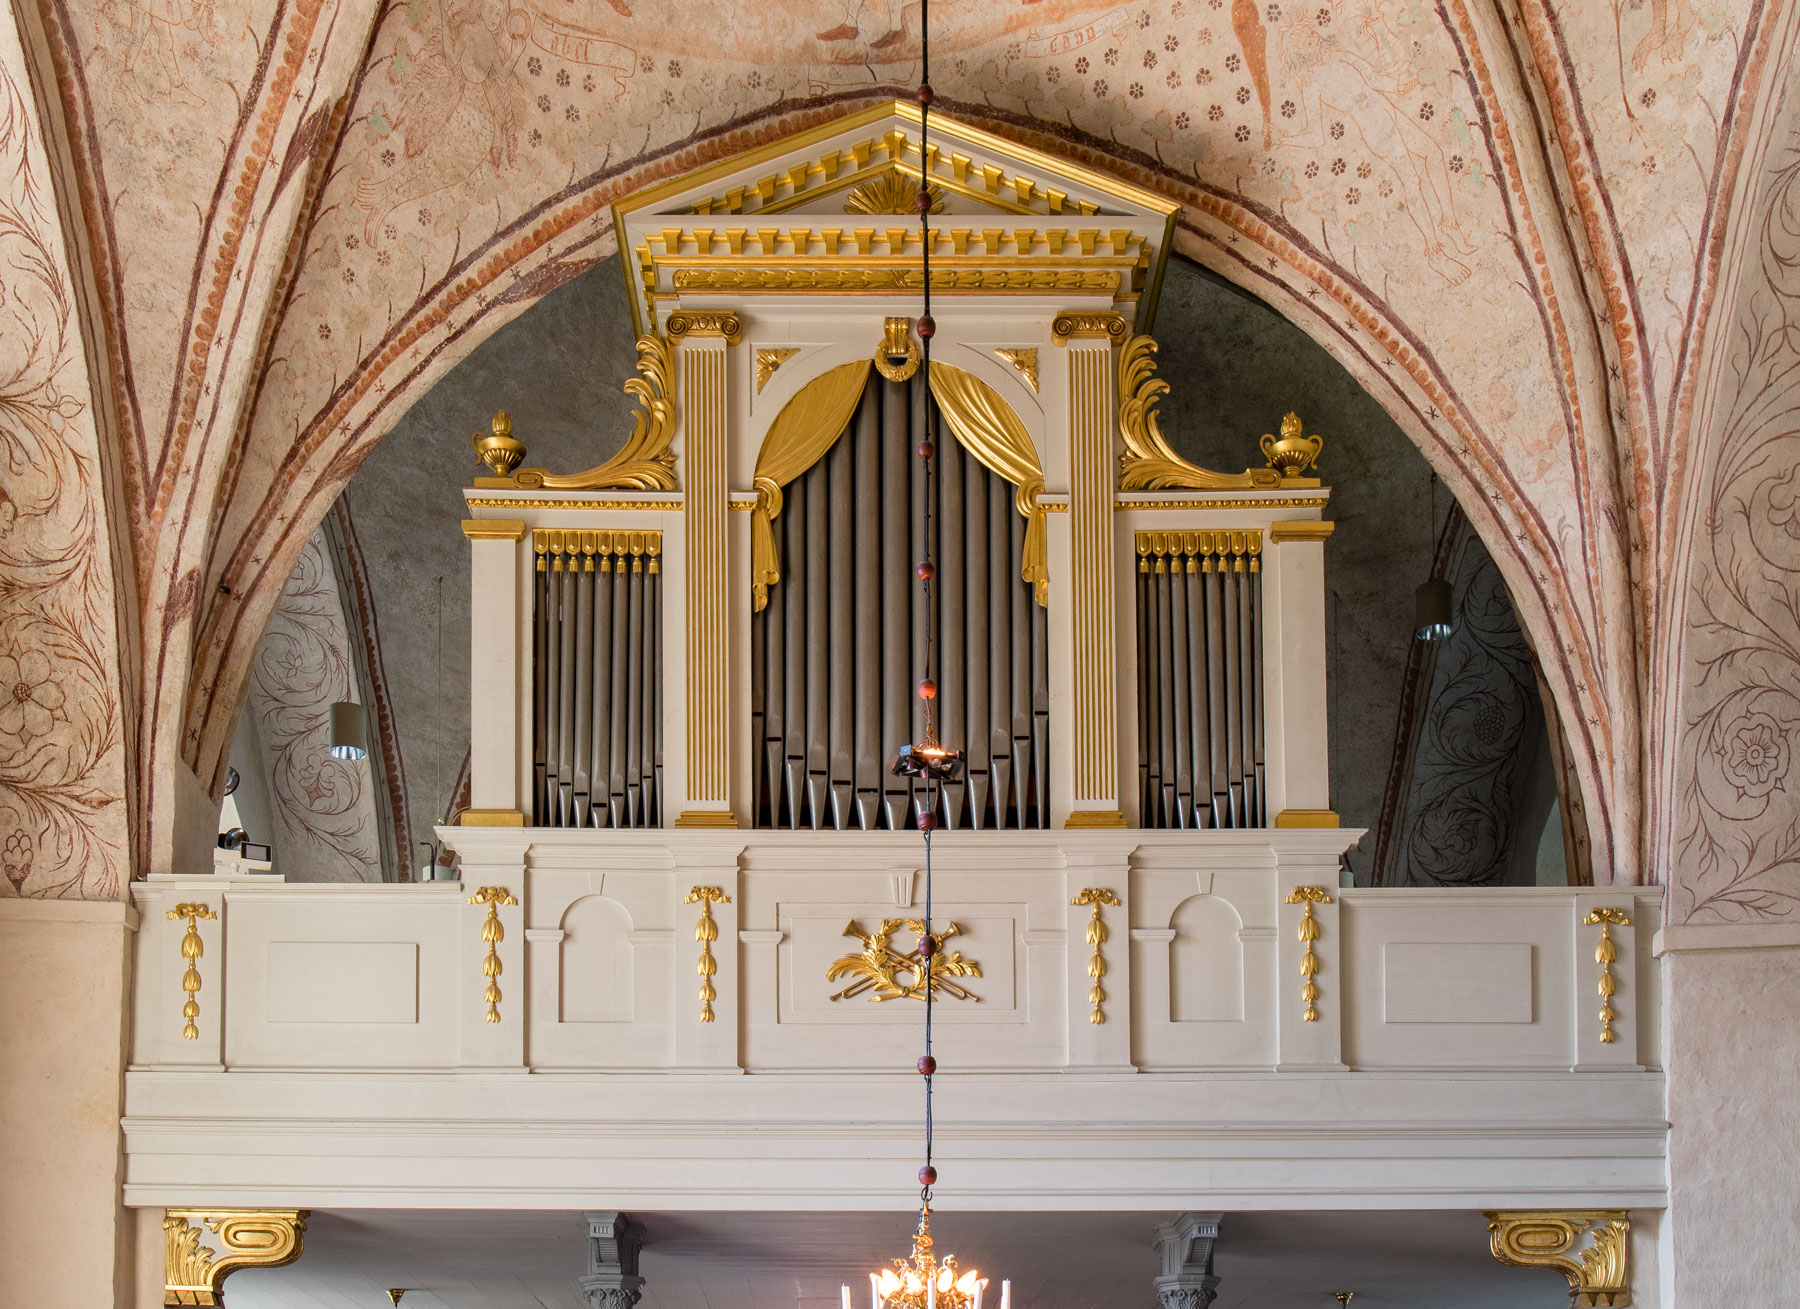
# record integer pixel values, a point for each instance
(645, 463)
(194, 1272)
(1587, 1246)
(1149, 463)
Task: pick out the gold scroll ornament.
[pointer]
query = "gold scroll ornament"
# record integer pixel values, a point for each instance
(194, 1274)
(1309, 934)
(706, 931)
(889, 975)
(191, 949)
(1096, 896)
(644, 463)
(1606, 954)
(492, 933)
(1149, 462)
(1599, 1275)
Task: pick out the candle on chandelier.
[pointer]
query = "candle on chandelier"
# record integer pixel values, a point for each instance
(845, 1288)
(1005, 1294)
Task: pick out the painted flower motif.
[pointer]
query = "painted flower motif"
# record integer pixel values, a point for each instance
(1100, 86)
(15, 859)
(534, 65)
(1081, 65)
(1112, 57)
(588, 84)
(1182, 121)
(1171, 43)
(1173, 79)
(1754, 754)
(1337, 131)
(1202, 77)
(543, 104)
(28, 698)
(1648, 98)
(1288, 109)
(1243, 95)
(1135, 90)
(1427, 111)
(1149, 59)
(1242, 133)
(1784, 503)
(562, 77)
(1233, 63)
(1214, 113)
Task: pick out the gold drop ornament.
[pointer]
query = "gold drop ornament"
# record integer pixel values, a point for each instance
(706, 931)
(192, 948)
(1095, 897)
(492, 932)
(1606, 954)
(1309, 935)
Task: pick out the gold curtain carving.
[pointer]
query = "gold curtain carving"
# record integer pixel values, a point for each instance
(645, 463)
(1149, 463)
(802, 432)
(993, 432)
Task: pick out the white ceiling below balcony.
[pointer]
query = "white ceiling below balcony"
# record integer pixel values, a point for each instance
(513, 1260)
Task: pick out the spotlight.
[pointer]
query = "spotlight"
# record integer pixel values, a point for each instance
(349, 731)
(1432, 613)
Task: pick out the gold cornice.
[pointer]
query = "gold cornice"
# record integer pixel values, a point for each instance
(1306, 818)
(523, 502)
(493, 529)
(1066, 327)
(1149, 463)
(1301, 530)
(194, 1274)
(490, 818)
(886, 278)
(1600, 1274)
(706, 322)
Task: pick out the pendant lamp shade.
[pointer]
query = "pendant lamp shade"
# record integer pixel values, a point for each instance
(1432, 613)
(349, 731)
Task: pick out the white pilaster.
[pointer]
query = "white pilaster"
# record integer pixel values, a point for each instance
(496, 620)
(1299, 775)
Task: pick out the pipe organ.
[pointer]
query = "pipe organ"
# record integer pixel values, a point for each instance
(719, 626)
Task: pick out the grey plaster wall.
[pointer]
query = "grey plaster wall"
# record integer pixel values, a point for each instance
(557, 369)
(1235, 367)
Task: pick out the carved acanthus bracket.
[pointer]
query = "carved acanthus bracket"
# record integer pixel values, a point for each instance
(1149, 462)
(1186, 1249)
(1587, 1246)
(645, 463)
(195, 1269)
(614, 1242)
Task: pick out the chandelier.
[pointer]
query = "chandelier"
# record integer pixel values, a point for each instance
(922, 1280)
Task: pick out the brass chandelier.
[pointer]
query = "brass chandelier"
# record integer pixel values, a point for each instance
(921, 1280)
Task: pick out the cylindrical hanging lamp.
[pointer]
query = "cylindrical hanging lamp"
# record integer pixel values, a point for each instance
(349, 731)
(1431, 610)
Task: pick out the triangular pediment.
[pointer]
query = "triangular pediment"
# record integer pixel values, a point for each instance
(831, 208)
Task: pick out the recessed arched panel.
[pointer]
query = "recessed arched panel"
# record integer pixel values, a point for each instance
(1206, 962)
(597, 962)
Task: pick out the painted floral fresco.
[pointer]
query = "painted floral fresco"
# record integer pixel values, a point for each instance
(62, 764)
(1510, 223)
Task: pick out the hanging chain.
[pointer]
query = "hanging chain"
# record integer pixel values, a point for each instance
(926, 571)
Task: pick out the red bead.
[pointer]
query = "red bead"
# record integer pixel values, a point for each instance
(927, 821)
(926, 94)
(927, 1175)
(927, 946)
(926, 571)
(927, 689)
(927, 327)
(921, 200)
(926, 449)
(927, 1065)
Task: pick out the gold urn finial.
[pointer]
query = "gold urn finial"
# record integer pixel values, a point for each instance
(497, 449)
(1293, 454)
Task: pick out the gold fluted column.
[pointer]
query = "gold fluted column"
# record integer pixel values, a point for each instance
(1093, 618)
(703, 339)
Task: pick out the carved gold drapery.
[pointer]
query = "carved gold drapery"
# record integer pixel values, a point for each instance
(1149, 463)
(798, 438)
(645, 463)
(992, 431)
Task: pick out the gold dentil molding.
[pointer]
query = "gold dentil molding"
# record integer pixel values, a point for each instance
(547, 502)
(1606, 954)
(562, 549)
(1281, 532)
(1096, 896)
(1076, 326)
(878, 968)
(711, 322)
(191, 949)
(493, 933)
(1200, 552)
(1309, 934)
(706, 931)
(1235, 502)
(984, 281)
(194, 1274)
(1587, 1246)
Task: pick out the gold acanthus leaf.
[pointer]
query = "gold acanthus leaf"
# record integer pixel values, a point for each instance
(1149, 462)
(645, 463)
